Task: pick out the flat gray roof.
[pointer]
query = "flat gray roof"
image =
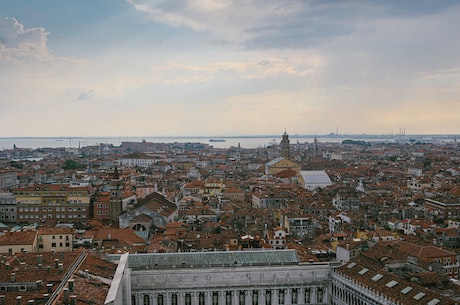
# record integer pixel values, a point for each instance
(210, 259)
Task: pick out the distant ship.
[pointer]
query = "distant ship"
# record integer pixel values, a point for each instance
(216, 140)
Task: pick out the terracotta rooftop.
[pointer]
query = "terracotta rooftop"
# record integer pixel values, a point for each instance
(18, 238)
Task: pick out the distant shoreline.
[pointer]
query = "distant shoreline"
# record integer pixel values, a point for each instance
(247, 141)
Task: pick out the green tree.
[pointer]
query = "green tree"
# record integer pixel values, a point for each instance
(71, 164)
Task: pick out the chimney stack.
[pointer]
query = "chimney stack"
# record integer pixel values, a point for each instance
(73, 299)
(2, 300)
(18, 300)
(13, 277)
(70, 284)
(66, 296)
(49, 288)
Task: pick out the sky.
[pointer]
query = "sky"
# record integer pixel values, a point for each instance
(217, 67)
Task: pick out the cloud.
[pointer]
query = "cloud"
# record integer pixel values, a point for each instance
(280, 24)
(85, 95)
(19, 44)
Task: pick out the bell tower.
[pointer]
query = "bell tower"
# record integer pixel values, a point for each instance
(285, 147)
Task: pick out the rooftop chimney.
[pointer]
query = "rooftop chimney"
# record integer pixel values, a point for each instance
(49, 288)
(73, 299)
(2, 300)
(18, 300)
(70, 284)
(66, 296)
(13, 277)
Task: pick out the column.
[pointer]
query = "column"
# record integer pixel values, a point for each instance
(301, 296)
(168, 298)
(325, 295)
(261, 297)
(222, 297)
(248, 297)
(235, 295)
(194, 297)
(207, 297)
(274, 297)
(313, 295)
(287, 296)
(180, 298)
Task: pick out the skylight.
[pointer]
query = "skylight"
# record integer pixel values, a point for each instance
(363, 271)
(377, 277)
(351, 265)
(433, 302)
(419, 295)
(391, 284)
(407, 290)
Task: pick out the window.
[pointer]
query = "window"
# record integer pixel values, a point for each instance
(228, 298)
(188, 299)
(268, 297)
(240, 298)
(215, 298)
(174, 299)
(146, 299)
(294, 296)
(53, 245)
(200, 298)
(281, 296)
(307, 295)
(319, 296)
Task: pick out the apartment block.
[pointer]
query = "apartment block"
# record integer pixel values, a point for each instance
(55, 202)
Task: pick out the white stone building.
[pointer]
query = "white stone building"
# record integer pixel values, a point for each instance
(264, 277)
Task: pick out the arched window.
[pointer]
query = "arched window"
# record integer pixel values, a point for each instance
(174, 299)
(268, 297)
(160, 299)
(188, 299)
(133, 300)
(200, 298)
(281, 296)
(320, 295)
(307, 295)
(294, 295)
(146, 299)
(255, 297)
(215, 298)
(228, 298)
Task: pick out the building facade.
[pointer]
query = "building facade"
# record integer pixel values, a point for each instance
(56, 202)
(8, 179)
(223, 278)
(7, 208)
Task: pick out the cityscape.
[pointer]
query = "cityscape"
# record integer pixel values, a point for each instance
(217, 152)
(351, 222)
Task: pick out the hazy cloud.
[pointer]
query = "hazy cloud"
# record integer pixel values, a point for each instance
(18, 44)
